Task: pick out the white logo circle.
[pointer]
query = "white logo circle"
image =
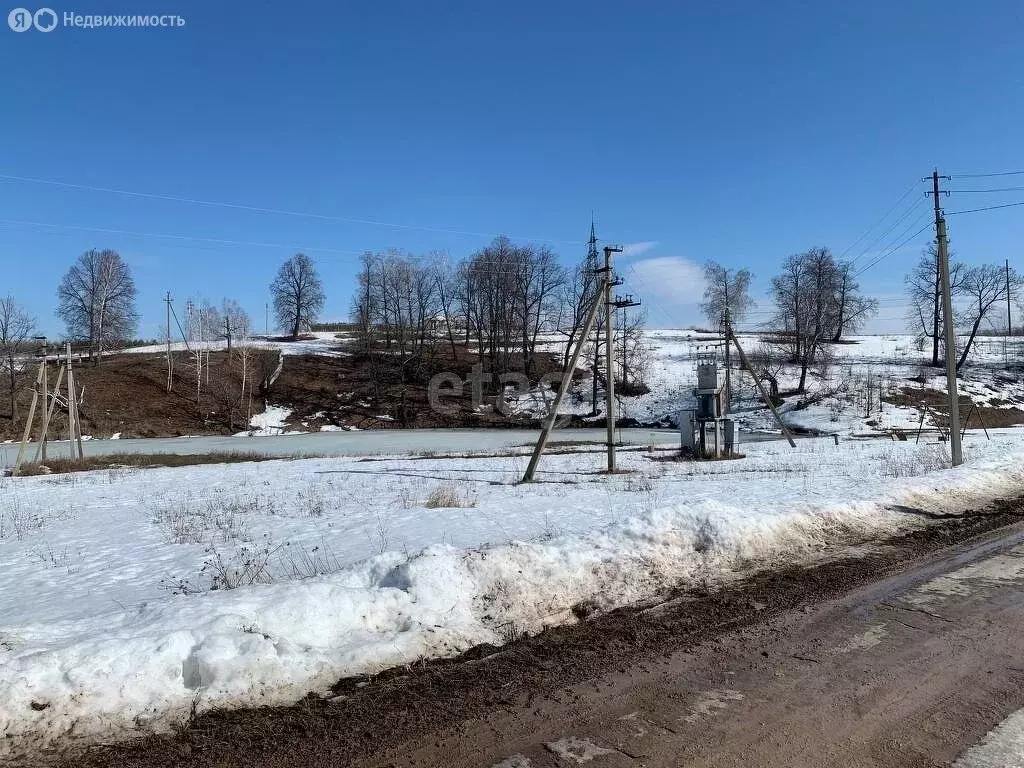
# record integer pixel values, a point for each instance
(44, 22)
(20, 19)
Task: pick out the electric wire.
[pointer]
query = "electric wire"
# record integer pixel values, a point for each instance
(887, 213)
(986, 208)
(263, 209)
(914, 207)
(892, 250)
(985, 175)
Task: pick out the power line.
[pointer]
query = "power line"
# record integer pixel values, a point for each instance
(893, 250)
(217, 241)
(869, 229)
(986, 208)
(985, 175)
(262, 209)
(1001, 189)
(915, 206)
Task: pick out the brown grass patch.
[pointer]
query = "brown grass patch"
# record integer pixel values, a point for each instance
(140, 461)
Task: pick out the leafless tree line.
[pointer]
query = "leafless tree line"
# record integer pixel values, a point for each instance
(499, 303)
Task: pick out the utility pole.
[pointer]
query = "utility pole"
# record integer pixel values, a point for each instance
(46, 400)
(955, 447)
(760, 388)
(728, 364)
(549, 423)
(1009, 322)
(622, 304)
(28, 421)
(170, 374)
(728, 346)
(74, 424)
(266, 318)
(609, 319)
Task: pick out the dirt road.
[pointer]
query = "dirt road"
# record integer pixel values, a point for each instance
(908, 671)
(904, 656)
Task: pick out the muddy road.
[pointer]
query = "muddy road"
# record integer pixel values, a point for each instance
(905, 654)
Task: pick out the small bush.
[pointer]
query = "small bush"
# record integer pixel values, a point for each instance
(449, 495)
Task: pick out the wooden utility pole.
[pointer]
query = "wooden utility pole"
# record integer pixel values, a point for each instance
(74, 424)
(48, 414)
(955, 447)
(46, 400)
(609, 357)
(28, 422)
(549, 423)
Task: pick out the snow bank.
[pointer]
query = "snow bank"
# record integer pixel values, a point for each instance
(69, 677)
(271, 421)
(1002, 747)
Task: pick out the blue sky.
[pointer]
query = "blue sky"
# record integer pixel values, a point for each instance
(737, 131)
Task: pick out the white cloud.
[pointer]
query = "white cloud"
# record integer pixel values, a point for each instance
(636, 249)
(671, 285)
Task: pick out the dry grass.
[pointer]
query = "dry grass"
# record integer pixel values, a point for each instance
(59, 466)
(449, 495)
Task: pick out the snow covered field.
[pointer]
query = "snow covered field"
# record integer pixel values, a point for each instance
(842, 401)
(129, 598)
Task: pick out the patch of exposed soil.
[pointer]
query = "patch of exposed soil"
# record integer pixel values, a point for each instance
(128, 394)
(936, 402)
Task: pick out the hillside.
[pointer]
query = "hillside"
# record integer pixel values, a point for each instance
(873, 384)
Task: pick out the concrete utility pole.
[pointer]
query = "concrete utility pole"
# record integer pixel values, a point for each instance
(170, 374)
(760, 388)
(609, 320)
(728, 361)
(1009, 321)
(549, 423)
(728, 346)
(955, 448)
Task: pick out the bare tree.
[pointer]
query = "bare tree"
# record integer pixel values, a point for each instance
(298, 294)
(723, 291)
(16, 326)
(579, 293)
(853, 308)
(924, 291)
(985, 287)
(805, 299)
(97, 301)
(235, 322)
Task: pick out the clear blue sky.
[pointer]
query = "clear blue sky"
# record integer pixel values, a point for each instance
(738, 131)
